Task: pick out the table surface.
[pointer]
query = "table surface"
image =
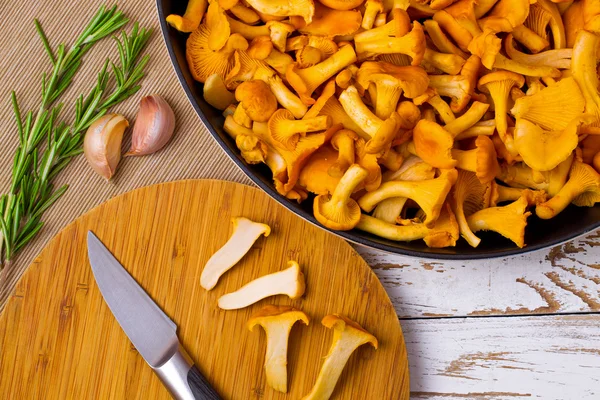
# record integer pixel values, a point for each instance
(525, 326)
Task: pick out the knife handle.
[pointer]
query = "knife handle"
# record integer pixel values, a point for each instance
(183, 380)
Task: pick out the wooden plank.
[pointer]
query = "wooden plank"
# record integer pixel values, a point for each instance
(565, 279)
(504, 358)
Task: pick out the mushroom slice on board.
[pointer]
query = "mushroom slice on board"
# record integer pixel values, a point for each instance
(245, 233)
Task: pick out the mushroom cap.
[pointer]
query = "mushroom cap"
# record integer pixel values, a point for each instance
(217, 23)
(487, 159)
(260, 47)
(500, 76)
(277, 314)
(588, 179)
(280, 133)
(409, 114)
(329, 22)
(340, 323)
(315, 176)
(469, 196)
(433, 144)
(216, 94)
(544, 150)
(202, 60)
(257, 100)
(445, 232)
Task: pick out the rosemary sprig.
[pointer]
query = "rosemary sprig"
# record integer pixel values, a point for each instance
(32, 191)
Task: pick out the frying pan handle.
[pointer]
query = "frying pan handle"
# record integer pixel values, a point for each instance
(183, 380)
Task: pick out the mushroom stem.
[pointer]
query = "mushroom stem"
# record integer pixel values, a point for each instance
(391, 231)
(468, 119)
(351, 179)
(528, 38)
(486, 128)
(306, 80)
(411, 44)
(507, 64)
(289, 282)
(467, 159)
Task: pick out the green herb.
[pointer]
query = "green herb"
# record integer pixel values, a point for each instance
(32, 191)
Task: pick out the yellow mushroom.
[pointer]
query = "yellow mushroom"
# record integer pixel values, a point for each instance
(498, 85)
(218, 26)
(338, 211)
(343, 141)
(544, 14)
(279, 32)
(398, 26)
(433, 144)
(284, 96)
(412, 169)
(382, 132)
(285, 130)
(558, 58)
(347, 337)
(428, 194)
(411, 44)
(459, 88)
(507, 64)
(284, 8)
(469, 195)
(203, 61)
(482, 7)
(250, 32)
(544, 150)
(289, 282)
(279, 61)
(256, 99)
(486, 128)
(439, 105)
(486, 45)
(448, 63)
(501, 194)
(372, 9)
(244, 14)
(523, 176)
(462, 37)
(327, 93)
(506, 15)
(412, 81)
(305, 81)
(334, 109)
(583, 68)
(591, 15)
(528, 38)
(370, 163)
(482, 160)
(409, 114)
(294, 159)
(216, 94)
(189, 21)
(329, 23)
(244, 69)
(444, 233)
(277, 322)
(471, 117)
(574, 22)
(245, 233)
(342, 4)
(315, 176)
(440, 40)
(582, 189)
(509, 221)
(260, 48)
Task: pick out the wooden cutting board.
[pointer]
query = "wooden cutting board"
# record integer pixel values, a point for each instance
(58, 339)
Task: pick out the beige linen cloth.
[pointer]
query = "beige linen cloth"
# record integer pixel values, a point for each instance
(191, 154)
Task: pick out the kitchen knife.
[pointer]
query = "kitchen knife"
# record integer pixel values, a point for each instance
(150, 330)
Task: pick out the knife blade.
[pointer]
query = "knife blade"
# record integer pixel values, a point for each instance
(151, 331)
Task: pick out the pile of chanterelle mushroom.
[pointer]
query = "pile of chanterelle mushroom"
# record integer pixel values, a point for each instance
(277, 321)
(410, 119)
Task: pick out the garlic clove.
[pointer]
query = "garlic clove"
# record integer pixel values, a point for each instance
(154, 126)
(102, 144)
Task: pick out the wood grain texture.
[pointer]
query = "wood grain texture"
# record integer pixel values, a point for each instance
(59, 340)
(565, 279)
(506, 358)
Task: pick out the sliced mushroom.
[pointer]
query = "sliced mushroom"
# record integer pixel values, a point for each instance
(245, 233)
(289, 282)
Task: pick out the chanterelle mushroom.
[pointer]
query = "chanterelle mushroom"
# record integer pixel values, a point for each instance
(289, 282)
(256, 99)
(277, 321)
(245, 233)
(347, 337)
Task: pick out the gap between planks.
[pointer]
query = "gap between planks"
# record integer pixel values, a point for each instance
(561, 280)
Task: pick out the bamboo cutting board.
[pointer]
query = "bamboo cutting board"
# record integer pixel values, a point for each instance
(58, 339)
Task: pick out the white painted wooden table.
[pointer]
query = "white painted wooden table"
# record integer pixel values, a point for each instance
(525, 326)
